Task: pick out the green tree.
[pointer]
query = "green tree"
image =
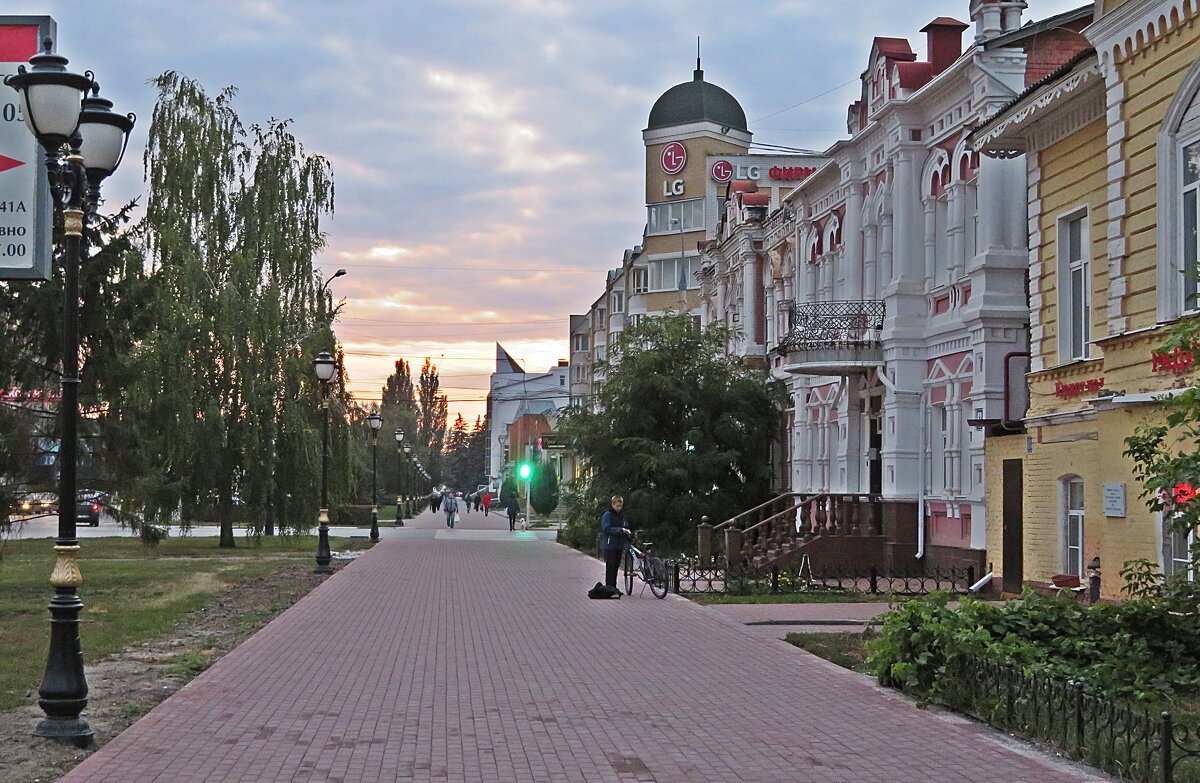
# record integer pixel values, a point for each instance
(683, 431)
(399, 411)
(510, 485)
(431, 419)
(543, 489)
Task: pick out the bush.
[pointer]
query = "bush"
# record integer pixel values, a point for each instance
(1140, 650)
(543, 491)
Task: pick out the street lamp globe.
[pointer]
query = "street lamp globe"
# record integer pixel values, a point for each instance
(104, 134)
(375, 421)
(325, 366)
(51, 97)
(408, 449)
(399, 437)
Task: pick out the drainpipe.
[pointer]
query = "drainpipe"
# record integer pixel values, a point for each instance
(887, 382)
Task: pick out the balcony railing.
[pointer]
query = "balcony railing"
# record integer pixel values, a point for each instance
(820, 325)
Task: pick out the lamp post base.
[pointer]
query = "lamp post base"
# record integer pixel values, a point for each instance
(374, 524)
(74, 731)
(399, 514)
(323, 553)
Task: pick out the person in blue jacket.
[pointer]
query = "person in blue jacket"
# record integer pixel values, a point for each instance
(614, 537)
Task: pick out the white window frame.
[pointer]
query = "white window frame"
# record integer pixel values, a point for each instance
(641, 279)
(1074, 302)
(580, 342)
(1172, 563)
(618, 302)
(1073, 518)
(689, 212)
(1189, 288)
(1174, 135)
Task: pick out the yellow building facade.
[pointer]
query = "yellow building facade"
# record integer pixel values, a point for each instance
(1112, 149)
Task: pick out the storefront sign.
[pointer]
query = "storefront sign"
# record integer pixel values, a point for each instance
(722, 171)
(790, 172)
(1114, 500)
(672, 187)
(674, 158)
(1077, 388)
(25, 203)
(1179, 360)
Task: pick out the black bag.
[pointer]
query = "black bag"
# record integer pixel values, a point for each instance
(603, 591)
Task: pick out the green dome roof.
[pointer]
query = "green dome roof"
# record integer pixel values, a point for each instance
(697, 101)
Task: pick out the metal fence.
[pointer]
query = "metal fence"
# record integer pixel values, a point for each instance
(1130, 743)
(690, 577)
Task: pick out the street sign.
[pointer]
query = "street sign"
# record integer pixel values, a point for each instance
(26, 208)
(673, 158)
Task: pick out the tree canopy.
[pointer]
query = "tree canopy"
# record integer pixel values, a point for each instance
(682, 432)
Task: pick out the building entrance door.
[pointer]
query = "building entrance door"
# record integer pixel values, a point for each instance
(1013, 512)
(875, 445)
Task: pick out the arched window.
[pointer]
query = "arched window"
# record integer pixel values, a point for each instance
(1178, 162)
(1072, 525)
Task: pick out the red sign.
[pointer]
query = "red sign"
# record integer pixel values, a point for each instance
(790, 172)
(722, 171)
(1078, 387)
(674, 158)
(7, 163)
(1178, 360)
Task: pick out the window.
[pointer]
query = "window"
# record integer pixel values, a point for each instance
(695, 324)
(618, 301)
(1075, 296)
(562, 380)
(691, 213)
(1191, 219)
(579, 342)
(641, 279)
(612, 339)
(665, 273)
(1073, 527)
(635, 319)
(1177, 550)
(599, 353)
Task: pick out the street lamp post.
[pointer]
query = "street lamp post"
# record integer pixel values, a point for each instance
(399, 479)
(376, 423)
(60, 114)
(326, 367)
(410, 479)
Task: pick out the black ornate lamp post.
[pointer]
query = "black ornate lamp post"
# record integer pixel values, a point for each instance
(326, 367)
(376, 423)
(408, 476)
(60, 114)
(399, 480)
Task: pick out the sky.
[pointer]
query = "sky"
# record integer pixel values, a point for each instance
(487, 154)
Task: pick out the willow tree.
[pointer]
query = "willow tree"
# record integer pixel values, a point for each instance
(225, 404)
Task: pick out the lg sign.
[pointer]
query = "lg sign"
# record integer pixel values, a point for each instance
(722, 171)
(674, 158)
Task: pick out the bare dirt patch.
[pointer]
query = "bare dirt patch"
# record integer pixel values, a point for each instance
(125, 686)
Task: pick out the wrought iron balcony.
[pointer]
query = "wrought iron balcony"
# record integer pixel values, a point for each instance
(834, 338)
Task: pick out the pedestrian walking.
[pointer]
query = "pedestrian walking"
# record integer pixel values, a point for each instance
(478, 501)
(450, 506)
(614, 538)
(513, 508)
(487, 502)
(464, 503)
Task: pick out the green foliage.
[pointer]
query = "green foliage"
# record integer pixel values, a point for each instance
(684, 431)
(510, 487)
(543, 489)
(431, 420)
(1139, 650)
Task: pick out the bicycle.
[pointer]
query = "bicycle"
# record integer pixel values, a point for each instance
(651, 570)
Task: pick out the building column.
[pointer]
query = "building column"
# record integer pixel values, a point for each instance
(957, 229)
(930, 206)
(871, 262)
(887, 270)
(906, 265)
(852, 254)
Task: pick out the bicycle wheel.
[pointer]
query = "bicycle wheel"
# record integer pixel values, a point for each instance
(658, 577)
(627, 562)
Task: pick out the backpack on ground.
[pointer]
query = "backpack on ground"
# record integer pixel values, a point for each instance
(603, 591)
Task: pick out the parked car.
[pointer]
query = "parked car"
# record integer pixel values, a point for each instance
(37, 504)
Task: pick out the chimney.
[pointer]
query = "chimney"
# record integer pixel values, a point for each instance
(943, 38)
(1012, 14)
(996, 17)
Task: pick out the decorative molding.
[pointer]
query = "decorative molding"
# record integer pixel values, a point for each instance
(1006, 135)
(1134, 26)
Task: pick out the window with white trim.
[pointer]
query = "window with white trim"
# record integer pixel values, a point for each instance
(1178, 191)
(618, 301)
(1074, 289)
(1190, 220)
(579, 342)
(1073, 517)
(690, 213)
(641, 279)
(1177, 550)
(665, 273)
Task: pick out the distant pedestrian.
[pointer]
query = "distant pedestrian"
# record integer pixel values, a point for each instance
(464, 503)
(450, 506)
(478, 501)
(487, 502)
(614, 538)
(513, 508)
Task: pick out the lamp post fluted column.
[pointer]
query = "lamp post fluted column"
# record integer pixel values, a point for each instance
(375, 421)
(400, 493)
(325, 366)
(58, 112)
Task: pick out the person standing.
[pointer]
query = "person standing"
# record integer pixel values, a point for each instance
(614, 538)
(450, 506)
(513, 508)
(487, 502)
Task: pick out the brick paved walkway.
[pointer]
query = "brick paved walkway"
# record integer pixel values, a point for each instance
(445, 657)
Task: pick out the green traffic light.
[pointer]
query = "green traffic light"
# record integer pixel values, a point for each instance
(525, 470)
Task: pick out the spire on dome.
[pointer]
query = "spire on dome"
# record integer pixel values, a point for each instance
(698, 74)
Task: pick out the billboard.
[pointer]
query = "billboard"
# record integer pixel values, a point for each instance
(26, 208)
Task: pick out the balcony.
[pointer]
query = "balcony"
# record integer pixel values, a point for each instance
(834, 338)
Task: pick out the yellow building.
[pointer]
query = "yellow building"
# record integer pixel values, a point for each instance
(1112, 149)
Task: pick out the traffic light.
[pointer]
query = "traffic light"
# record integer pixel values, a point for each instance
(525, 470)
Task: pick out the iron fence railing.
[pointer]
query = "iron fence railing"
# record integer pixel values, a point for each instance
(1121, 739)
(814, 325)
(691, 577)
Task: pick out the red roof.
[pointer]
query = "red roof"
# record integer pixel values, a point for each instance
(895, 48)
(756, 199)
(914, 75)
(744, 186)
(945, 21)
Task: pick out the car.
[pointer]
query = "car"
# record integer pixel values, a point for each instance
(87, 512)
(37, 504)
